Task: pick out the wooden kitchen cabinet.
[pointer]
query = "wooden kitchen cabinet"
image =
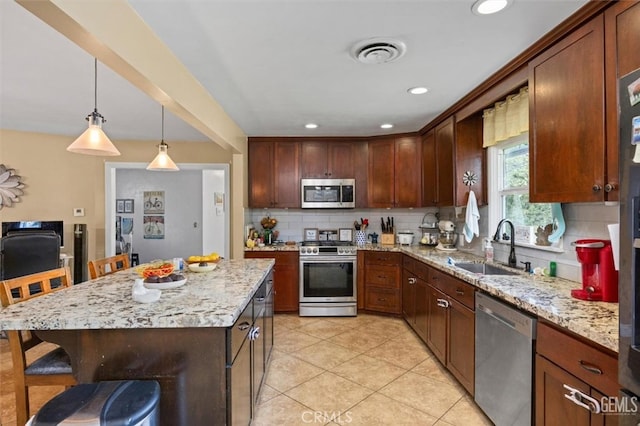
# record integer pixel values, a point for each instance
(566, 364)
(567, 119)
(328, 160)
(286, 278)
(438, 165)
(274, 178)
(415, 295)
(394, 178)
(382, 276)
(451, 325)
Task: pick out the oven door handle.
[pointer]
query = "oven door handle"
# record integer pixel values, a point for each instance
(328, 259)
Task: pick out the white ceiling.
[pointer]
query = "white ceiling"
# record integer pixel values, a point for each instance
(272, 65)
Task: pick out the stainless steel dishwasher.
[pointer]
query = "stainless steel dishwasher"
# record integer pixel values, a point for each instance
(504, 361)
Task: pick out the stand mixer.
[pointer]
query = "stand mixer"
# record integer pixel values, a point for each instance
(448, 237)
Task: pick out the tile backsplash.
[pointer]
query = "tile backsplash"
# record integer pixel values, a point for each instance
(583, 220)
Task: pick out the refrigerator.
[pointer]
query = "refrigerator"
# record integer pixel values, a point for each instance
(629, 271)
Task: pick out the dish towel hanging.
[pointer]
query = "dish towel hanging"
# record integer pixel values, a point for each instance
(471, 219)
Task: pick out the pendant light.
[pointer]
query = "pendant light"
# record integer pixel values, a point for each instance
(94, 141)
(163, 162)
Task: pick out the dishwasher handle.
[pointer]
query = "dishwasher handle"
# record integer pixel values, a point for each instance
(496, 316)
(509, 317)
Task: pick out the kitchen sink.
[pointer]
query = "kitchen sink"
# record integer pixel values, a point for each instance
(484, 269)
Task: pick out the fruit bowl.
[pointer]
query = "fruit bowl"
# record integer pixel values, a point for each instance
(155, 270)
(211, 258)
(200, 267)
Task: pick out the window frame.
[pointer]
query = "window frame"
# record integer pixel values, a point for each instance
(495, 192)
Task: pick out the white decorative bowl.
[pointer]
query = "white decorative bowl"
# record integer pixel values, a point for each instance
(194, 267)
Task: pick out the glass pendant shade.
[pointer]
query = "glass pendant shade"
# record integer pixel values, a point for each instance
(163, 162)
(93, 141)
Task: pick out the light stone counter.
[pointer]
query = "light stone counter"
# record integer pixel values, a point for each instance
(546, 297)
(211, 299)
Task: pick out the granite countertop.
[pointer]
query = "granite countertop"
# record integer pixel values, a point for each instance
(211, 299)
(547, 297)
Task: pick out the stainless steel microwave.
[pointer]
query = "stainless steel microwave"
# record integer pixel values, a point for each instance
(328, 193)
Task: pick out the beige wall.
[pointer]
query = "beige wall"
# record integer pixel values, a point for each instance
(58, 181)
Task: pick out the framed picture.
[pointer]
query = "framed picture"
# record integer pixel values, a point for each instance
(120, 206)
(153, 227)
(345, 234)
(311, 234)
(153, 202)
(128, 205)
(127, 225)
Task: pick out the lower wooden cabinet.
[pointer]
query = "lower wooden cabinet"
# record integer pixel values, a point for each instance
(572, 379)
(382, 276)
(286, 278)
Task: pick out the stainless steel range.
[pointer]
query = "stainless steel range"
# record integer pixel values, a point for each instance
(328, 272)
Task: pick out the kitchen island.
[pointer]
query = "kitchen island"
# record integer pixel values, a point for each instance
(187, 341)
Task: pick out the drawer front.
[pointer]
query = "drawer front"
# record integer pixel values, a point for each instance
(383, 276)
(239, 331)
(383, 258)
(453, 287)
(593, 366)
(383, 300)
(416, 267)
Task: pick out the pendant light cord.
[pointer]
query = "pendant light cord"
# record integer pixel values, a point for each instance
(162, 139)
(95, 84)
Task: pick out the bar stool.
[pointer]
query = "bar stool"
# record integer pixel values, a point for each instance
(108, 265)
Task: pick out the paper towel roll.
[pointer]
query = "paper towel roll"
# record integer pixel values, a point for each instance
(614, 235)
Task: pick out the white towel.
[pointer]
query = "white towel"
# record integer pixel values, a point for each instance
(471, 219)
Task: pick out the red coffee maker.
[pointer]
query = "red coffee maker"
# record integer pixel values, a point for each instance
(599, 276)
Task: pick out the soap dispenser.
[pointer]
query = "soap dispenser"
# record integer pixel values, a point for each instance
(488, 250)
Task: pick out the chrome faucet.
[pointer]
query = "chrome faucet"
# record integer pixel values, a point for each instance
(512, 254)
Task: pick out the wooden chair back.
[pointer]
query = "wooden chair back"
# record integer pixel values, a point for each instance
(54, 367)
(108, 265)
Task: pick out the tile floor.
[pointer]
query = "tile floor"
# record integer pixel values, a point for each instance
(364, 370)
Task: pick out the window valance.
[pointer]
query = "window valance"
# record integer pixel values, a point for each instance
(506, 119)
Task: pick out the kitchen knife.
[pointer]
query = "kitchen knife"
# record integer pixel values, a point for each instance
(391, 223)
(382, 224)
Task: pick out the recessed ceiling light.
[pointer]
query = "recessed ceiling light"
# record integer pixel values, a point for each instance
(311, 126)
(418, 90)
(487, 7)
(386, 126)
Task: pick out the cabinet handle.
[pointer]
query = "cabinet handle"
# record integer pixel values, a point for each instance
(382, 276)
(260, 299)
(596, 188)
(582, 399)
(590, 367)
(609, 187)
(254, 333)
(380, 299)
(412, 280)
(443, 303)
(459, 292)
(243, 326)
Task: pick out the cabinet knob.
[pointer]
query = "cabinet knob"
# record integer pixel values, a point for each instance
(412, 280)
(596, 188)
(609, 187)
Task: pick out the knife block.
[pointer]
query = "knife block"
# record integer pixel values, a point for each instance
(388, 239)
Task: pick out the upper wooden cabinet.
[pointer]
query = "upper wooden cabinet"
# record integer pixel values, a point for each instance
(328, 159)
(394, 172)
(567, 153)
(274, 178)
(448, 151)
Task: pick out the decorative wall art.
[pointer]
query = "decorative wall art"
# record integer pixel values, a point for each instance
(119, 206)
(10, 187)
(153, 227)
(127, 225)
(153, 202)
(128, 205)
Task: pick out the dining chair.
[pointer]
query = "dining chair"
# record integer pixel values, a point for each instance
(108, 265)
(54, 367)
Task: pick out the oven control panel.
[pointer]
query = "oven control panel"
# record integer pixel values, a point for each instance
(328, 251)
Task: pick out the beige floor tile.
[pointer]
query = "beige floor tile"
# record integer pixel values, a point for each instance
(466, 413)
(362, 320)
(432, 368)
(370, 372)
(323, 329)
(267, 393)
(379, 410)
(292, 321)
(329, 393)
(402, 354)
(286, 372)
(358, 340)
(430, 396)
(292, 341)
(282, 411)
(325, 354)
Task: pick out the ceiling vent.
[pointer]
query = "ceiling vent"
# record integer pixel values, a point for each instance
(378, 50)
